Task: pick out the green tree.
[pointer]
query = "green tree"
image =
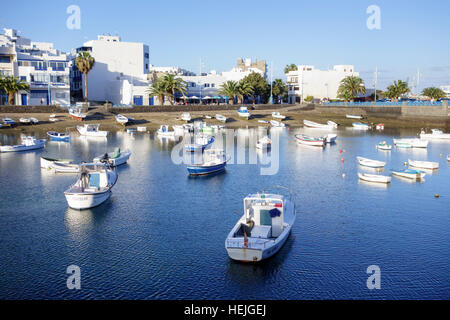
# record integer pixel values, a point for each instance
(229, 89)
(397, 89)
(279, 89)
(157, 89)
(85, 62)
(11, 86)
(350, 87)
(290, 67)
(258, 84)
(433, 93)
(172, 85)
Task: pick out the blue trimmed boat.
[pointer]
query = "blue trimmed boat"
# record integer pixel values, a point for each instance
(201, 142)
(409, 173)
(58, 136)
(214, 160)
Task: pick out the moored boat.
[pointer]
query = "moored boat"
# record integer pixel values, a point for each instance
(28, 143)
(312, 124)
(435, 134)
(423, 164)
(351, 116)
(65, 167)
(409, 173)
(360, 126)
(121, 119)
(115, 158)
(221, 118)
(213, 161)
(58, 136)
(411, 143)
(243, 112)
(8, 122)
(33, 120)
(47, 162)
(380, 126)
(374, 178)
(24, 121)
(370, 163)
(77, 114)
(277, 124)
(384, 146)
(163, 131)
(201, 142)
(186, 116)
(310, 141)
(263, 229)
(278, 115)
(91, 130)
(93, 186)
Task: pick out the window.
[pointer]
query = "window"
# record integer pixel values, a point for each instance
(206, 85)
(192, 84)
(60, 95)
(23, 78)
(213, 85)
(146, 55)
(5, 59)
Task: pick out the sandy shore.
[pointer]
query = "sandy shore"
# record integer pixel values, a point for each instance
(153, 120)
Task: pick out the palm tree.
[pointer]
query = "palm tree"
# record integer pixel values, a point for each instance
(11, 86)
(157, 89)
(85, 62)
(279, 88)
(433, 93)
(397, 89)
(350, 87)
(173, 85)
(229, 89)
(244, 89)
(290, 67)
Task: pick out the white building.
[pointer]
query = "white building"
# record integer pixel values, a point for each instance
(44, 68)
(446, 90)
(320, 84)
(120, 72)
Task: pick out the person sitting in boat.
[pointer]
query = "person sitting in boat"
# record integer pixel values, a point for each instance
(105, 158)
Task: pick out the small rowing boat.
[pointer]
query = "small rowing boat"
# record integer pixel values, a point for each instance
(243, 112)
(58, 136)
(310, 141)
(278, 115)
(221, 118)
(360, 126)
(409, 173)
(374, 178)
(47, 163)
(423, 164)
(277, 124)
(384, 146)
(370, 163)
(121, 119)
(350, 116)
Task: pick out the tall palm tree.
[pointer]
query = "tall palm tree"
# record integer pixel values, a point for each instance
(279, 88)
(173, 85)
(433, 93)
(350, 87)
(85, 62)
(11, 86)
(229, 89)
(244, 89)
(157, 89)
(397, 89)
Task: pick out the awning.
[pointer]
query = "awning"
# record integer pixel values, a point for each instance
(207, 97)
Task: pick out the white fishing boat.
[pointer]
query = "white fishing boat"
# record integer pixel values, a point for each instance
(263, 229)
(312, 124)
(360, 126)
(409, 173)
(121, 119)
(24, 121)
(115, 158)
(186, 116)
(331, 138)
(28, 143)
(65, 167)
(384, 146)
(243, 112)
(370, 163)
(221, 118)
(58, 136)
(47, 163)
(91, 130)
(278, 115)
(264, 143)
(435, 134)
(163, 131)
(201, 142)
(350, 116)
(33, 120)
(93, 186)
(277, 124)
(374, 178)
(411, 143)
(310, 141)
(8, 122)
(423, 164)
(77, 114)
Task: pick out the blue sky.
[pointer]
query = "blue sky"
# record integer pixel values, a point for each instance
(413, 35)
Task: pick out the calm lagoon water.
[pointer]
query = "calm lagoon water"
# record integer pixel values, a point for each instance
(161, 234)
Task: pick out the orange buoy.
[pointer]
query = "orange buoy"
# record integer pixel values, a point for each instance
(342, 159)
